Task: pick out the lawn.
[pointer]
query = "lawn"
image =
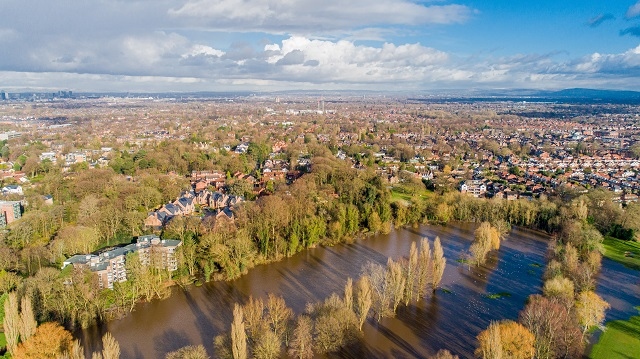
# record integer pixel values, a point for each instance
(616, 249)
(404, 195)
(621, 339)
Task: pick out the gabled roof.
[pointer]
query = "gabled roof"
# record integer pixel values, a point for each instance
(172, 209)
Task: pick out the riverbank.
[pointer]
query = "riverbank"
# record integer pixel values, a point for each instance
(449, 320)
(619, 280)
(624, 252)
(620, 340)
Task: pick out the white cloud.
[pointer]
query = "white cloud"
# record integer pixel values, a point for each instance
(626, 63)
(178, 63)
(634, 10)
(323, 61)
(7, 34)
(307, 17)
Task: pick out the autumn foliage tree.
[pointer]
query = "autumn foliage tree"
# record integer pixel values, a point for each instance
(506, 339)
(486, 238)
(590, 310)
(50, 340)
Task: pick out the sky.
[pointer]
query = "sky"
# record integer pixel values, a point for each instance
(274, 45)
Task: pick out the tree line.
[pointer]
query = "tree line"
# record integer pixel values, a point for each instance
(26, 339)
(331, 204)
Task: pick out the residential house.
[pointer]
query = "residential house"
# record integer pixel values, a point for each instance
(12, 189)
(109, 265)
(9, 212)
(476, 188)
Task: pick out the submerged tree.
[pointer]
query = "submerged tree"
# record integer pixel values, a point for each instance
(348, 294)
(506, 339)
(411, 274)
(380, 289)
(110, 347)
(238, 335)
(424, 275)
(278, 316)
(268, 346)
(444, 354)
(487, 238)
(396, 283)
(364, 299)
(189, 352)
(438, 262)
(490, 343)
(253, 314)
(301, 345)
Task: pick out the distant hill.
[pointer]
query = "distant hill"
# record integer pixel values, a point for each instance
(573, 95)
(594, 95)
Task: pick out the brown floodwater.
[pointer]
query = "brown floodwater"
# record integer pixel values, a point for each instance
(449, 319)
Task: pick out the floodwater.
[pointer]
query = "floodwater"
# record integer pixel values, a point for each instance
(620, 287)
(449, 319)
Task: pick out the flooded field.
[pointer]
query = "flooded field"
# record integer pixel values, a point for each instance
(450, 319)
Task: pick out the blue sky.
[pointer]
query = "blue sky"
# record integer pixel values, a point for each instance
(267, 45)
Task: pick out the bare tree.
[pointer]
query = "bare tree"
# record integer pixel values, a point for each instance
(222, 346)
(490, 344)
(348, 294)
(439, 262)
(238, 335)
(301, 345)
(28, 323)
(444, 354)
(268, 346)
(561, 288)
(381, 293)
(396, 283)
(425, 269)
(363, 299)
(188, 352)
(75, 352)
(110, 347)
(11, 322)
(329, 335)
(278, 315)
(253, 315)
(410, 274)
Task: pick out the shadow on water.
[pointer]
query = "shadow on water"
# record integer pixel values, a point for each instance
(449, 319)
(620, 287)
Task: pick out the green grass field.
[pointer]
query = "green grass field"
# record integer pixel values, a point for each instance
(402, 194)
(621, 340)
(616, 248)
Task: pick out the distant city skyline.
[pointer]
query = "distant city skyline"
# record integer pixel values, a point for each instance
(270, 45)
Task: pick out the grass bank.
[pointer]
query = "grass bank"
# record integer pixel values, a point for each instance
(621, 339)
(405, 194)
(625, 252)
